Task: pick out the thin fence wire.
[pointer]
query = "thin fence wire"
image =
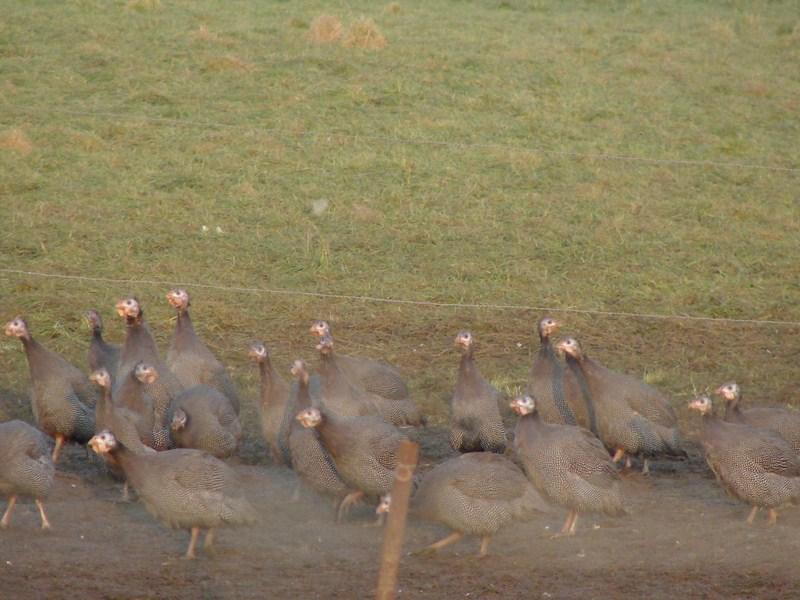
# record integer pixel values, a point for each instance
(401, 301)
(278, 131)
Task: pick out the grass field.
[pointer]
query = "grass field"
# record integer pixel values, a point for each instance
(474, 159)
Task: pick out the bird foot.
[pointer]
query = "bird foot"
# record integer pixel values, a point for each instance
(426, 551)
(562, 534)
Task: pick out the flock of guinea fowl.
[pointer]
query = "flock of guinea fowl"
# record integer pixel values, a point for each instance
(163, 427)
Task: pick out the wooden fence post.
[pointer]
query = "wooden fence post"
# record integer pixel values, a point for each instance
(396, 524)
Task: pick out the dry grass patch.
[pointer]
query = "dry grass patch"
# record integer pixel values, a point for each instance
(722, 31)
(364, 33)
(366, 214)
(229, 63)
(203, 34)
(16, 141)
(143, 5)
(325, 29)
(757, 88)
(393, 8)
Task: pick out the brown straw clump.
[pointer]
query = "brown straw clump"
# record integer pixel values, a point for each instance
(363, 33)
(324, 30)
(16, 141)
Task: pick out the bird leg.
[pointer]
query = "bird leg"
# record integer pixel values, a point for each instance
(190, 550)
(568, 527)
(773, 517)
(45, 521)
(628, 462)
(208, 545)
(57, 449)
(618, 455)
(450, 539)
(574, 523)
(378, 522)
(126, 497)
(7, 515)
(751, 517)
(484, 545)
(347, 502)
(646, 467)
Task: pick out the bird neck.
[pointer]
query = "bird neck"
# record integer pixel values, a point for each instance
(184, 329)
(270, 381)
(732, 410)
(527, 426)
(331, 433)
(303, 395)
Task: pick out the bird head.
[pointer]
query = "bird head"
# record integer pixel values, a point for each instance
(385, 505)
(101, 378)
(179, 419)
(129, 308)
(728, 391)
(93, 319)
(299, 370)
(523, 405)
(701, 404)
(103, 443)
(18, 328)
(145, 373)
(179, 299)
(569, 346)
(320, 328)
(547, 326)
(464, 341)
(310, 417)
(258, 352)
(325, 345)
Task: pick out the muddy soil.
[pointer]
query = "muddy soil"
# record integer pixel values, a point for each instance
(685, 539)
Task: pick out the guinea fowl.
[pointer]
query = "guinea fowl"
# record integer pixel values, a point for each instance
(157, 395)
(376, 377)
(377, 382)
(310, 460)
(475, 422)
(26, 468)
(140, 347)
(560, 397)
(364, 450)
(274, 398)
(183, 488)
(784, 422)
(102, 355)
(756, 466)
(203, 418)
(190, 359)
(337, 393)
(62, 397)
(473, 494)
(133, 429)
(568, 465)
(632, 417)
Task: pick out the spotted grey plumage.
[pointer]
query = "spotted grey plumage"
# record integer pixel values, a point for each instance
(26, 467)
(568, 465)
(379, 378)
(475, 494)
(101, 354)
(183, 488)
(783, 421)
(475, 421)
(310, 460)
(757, 466)
(189, 357)
(203, 418)
(273, 405)
(632, 417)
(62, 397)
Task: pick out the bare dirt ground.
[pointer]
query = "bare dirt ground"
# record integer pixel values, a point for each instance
(685, 539)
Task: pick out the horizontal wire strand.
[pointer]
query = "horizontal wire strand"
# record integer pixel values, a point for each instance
(401, 301)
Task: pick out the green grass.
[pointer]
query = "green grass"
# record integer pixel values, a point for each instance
(126, 127)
